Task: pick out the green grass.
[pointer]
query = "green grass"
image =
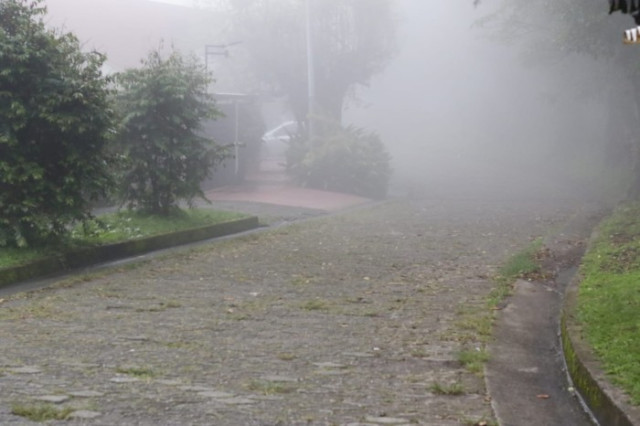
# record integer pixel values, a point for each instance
(609, 298)
(453, 389)
(315, 305)
(126, 225)
(139, 372)
(121, 226)
(266, 387)
(15, 256)
(523, 264)
(474, 360)
(41, 412)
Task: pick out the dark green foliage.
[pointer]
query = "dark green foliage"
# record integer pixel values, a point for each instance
(54, 120)
(344, 159)
(163, 104)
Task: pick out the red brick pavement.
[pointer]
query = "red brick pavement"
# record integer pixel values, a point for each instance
(271, 186)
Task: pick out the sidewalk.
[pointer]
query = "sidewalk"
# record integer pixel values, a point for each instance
(271, 185)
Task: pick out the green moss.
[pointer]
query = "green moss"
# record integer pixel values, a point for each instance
(581, 378)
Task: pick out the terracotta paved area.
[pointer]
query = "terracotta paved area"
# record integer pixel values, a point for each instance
(271, 186)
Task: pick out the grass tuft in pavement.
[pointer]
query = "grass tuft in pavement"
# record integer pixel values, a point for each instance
(41, 412)
(139, 372)
(523, 264)
(453, 389)
(474, 360)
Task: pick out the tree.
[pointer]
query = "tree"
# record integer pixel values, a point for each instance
(352, 40)
(53, 131)
(163, 105)
(553, 31)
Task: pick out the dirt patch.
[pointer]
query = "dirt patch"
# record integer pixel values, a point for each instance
(348, 319)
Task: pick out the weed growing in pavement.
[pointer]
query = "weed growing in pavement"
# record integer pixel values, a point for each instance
(270, 388)
(521, 265)
(139, 372)
(475, 324)
(481, 422)
(41, 412)
(286, 356)
(477, 321)
(452, 389)
(473, 359)
(315, 305)
(301, 280)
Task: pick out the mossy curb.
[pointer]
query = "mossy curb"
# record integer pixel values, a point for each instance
(607, 403)
(93, 255)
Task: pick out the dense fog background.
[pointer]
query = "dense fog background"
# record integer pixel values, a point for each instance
(458, 109)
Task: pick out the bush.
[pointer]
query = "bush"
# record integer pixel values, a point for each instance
(163, 105)
(54, 104)
(344, 159)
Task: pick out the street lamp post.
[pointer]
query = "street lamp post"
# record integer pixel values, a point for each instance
(311, 84)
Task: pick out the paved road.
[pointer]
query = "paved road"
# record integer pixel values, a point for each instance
(373, 316)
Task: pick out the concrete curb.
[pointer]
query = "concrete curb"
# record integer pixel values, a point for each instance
(99, 254)
(607, 403)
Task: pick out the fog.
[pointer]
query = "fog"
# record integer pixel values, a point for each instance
(460, 112)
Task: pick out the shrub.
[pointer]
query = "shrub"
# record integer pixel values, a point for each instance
(163, 105)
(344, 159)
(54, 104)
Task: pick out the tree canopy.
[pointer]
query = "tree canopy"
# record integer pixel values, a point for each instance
(550, 32)
(351, 40)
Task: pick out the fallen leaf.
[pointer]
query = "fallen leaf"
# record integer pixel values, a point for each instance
(543, 396)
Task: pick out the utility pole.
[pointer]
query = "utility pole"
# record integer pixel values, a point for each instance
(311, 83)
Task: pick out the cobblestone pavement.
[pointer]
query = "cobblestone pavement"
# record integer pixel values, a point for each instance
(372, 316)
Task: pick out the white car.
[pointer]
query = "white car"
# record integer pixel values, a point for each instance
(282, 133)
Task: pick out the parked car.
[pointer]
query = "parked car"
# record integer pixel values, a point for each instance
(282, 133)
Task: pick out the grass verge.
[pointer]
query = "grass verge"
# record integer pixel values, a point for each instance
(609, 298)
(121, 226)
